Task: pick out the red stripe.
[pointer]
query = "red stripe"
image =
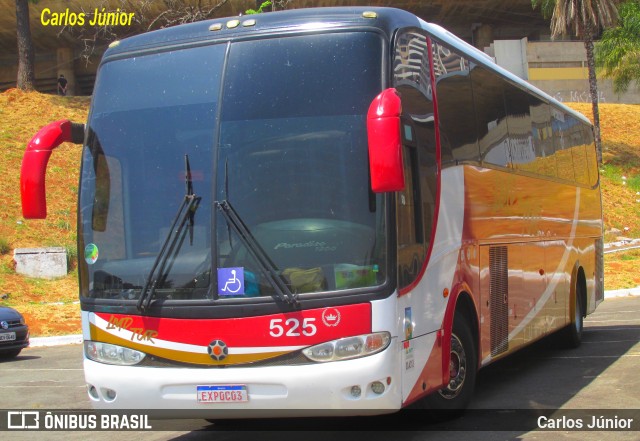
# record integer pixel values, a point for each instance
(300, 328)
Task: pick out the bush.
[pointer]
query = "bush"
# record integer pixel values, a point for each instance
(4, 247)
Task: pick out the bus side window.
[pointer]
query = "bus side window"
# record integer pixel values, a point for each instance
(545, 163)
(592, 160)
(488, 96)
(458, 128)
(415, 205)
(522, 154)
(562, 124)
(409, 221)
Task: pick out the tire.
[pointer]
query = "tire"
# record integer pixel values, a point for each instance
(571, 336)
(10, 354)
(455, 397)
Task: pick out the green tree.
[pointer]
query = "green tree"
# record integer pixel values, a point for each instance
(26, 53)
(260, 10)
(618, 51)
(584, 19)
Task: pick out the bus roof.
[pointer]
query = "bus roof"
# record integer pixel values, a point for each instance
(384, 19)
(295, 20)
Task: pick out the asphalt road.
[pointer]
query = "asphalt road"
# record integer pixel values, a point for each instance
(602, 374)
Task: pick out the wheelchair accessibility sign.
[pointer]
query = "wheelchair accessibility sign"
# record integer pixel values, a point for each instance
(231, 281)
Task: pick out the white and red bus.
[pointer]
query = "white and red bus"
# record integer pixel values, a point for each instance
(320, 209)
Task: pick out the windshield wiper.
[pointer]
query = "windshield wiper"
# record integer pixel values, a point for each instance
(184, 216)
(268, 268)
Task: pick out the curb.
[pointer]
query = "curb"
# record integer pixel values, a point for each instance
(622, 293)
(77, 338)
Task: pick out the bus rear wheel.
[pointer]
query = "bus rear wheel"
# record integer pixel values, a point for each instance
(463, 366)
(572, 334)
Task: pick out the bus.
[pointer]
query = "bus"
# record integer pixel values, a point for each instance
(324, 210)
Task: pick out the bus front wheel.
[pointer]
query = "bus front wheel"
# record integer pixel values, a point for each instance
(463, 366)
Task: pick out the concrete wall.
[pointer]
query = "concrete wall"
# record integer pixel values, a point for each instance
(41, 263)
(512, 55)
(79, 72)
(558, 68)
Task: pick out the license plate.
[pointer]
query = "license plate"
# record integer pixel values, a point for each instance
(227, 393)
(7, 336)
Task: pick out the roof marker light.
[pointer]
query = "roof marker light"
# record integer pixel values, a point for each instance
(233, 24)
(370, 14)
(250, 22)
(114, 43)
(215, 27)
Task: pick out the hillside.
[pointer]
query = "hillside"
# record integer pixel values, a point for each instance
(22, 114)
(620, 172)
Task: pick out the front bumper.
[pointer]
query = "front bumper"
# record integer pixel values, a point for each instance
(319, 389)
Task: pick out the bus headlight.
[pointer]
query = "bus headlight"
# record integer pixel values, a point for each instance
(112, 354)
(350, 347)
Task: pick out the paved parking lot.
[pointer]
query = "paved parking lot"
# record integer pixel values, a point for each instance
(601, 374)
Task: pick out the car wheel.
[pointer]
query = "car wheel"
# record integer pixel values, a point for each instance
(10, 354)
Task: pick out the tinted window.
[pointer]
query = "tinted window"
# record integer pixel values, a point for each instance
(293, 161)
(415, 206)
(149, 112)
(488, 94)
(592, 160)
(564, 136)
(304, 76)
(542, 134)
(458, 127)
(521, 148)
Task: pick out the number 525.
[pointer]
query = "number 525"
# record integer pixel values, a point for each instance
(292, 327)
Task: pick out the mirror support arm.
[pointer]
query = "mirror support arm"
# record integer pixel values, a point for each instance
(35, 160)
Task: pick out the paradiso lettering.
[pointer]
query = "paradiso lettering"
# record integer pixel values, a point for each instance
(137, 334)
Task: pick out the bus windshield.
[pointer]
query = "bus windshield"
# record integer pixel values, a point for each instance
(267, 130)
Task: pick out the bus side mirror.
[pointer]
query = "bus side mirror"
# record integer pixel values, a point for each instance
(34, 164)
(385, 142)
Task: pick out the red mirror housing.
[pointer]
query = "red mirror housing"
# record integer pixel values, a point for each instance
(385, 142)
(34, 164)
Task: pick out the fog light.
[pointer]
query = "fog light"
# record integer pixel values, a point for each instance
(377, 387)
(93, 392)
(356, 391)
(109, 394)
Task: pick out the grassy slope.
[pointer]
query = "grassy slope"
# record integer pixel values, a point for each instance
(620, 171)
(22, 114)
(620, 178)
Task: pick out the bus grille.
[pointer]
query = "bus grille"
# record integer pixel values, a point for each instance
(499, 298)
(599, 270)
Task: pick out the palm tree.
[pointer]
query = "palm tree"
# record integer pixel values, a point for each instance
(583, 18)
(618, 52)
(26, 75)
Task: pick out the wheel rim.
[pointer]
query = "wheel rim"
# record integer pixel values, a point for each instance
(457, 369)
